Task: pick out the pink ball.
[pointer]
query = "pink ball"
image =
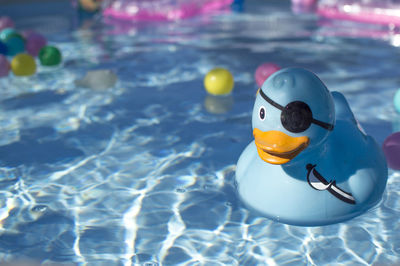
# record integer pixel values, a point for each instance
(391, 149)
(34, 42)
(26, 33)
(4, 66)
(264, 71)
(6, 22)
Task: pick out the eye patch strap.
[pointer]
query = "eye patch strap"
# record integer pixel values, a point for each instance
(270, 101)
(323, 124)
(327, 126)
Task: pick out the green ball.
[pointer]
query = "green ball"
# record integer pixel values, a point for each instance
(50, 56)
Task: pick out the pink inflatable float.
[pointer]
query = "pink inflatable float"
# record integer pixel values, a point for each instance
(159, 10)
(385, 12)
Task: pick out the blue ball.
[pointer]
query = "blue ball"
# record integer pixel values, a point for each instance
(237, 6)
(15, 42)
(3, 48)
(396, 101)
(7, 33)
(15, 45)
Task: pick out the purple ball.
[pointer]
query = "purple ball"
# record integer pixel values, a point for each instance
(34, 42)
(391, 149)
(4, 66)
(6, 22)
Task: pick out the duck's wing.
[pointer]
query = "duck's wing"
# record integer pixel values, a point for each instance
(318, 182)
(342, 108)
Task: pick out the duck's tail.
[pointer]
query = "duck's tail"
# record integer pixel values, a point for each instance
(342, 108)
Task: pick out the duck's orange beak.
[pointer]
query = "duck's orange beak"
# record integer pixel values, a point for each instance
(276, 147)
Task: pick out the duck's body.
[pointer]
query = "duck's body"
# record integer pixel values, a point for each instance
(342, 174)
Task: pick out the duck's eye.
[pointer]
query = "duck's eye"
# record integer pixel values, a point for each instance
(261, 113)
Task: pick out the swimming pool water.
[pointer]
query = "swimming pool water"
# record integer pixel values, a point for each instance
(143, 173)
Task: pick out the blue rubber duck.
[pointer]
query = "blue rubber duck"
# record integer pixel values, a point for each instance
(310, 162)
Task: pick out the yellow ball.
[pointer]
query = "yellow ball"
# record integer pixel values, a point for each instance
(219, 81)
(23, 65)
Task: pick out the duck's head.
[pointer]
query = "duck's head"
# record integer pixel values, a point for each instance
(293, 113)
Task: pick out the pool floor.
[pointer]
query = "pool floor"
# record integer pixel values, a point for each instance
(143, 173)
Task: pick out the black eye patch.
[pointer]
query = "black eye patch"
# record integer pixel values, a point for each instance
(296, 116)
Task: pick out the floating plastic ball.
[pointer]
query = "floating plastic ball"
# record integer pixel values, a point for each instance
(4, 66)
(218, 81)
(7, 33)
(264, 71)
(3, 48)
(396, 101)
(90, 5)
(13, 40)
(15, 45)
(34, 42)
(6, 22)
(23, 65)
(50, 56)
(237, 5)
(391, 149)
